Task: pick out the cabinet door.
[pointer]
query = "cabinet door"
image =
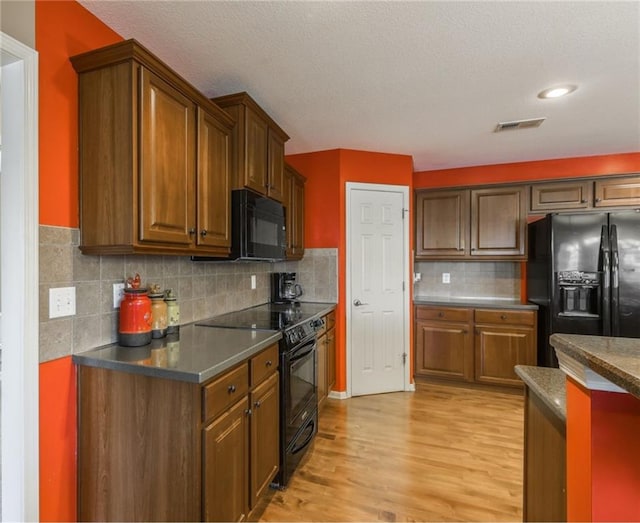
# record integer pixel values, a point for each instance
(226, 465)
(213, 229)
(255, 164)
(498, 349)
(275, 166)
(444, 349)
(617, 192)
(548, 197)
(265, 436)
(166, 193)
(498, 222)
(321, 354)
(331, 359)
(442, 224)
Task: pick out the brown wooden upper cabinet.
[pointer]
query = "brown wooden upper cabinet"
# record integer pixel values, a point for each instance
(488, 223)
(581, 194)
(294, 208)
(154, 158)
(258, 146)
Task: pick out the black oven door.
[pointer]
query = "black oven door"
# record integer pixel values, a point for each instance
(258, 227)
(299, 394)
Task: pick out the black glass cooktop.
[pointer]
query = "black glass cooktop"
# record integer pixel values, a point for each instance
(271, 316)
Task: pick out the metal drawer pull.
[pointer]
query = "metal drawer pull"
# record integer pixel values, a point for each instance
(257, 404)
(268, 363)
(503, 317)
(231, 389)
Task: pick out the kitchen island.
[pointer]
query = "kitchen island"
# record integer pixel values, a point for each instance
(183, 429)
(603, 423)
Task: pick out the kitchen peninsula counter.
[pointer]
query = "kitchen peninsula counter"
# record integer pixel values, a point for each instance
(615, 359)
(475, 303)
(547, 384)
(196, 355)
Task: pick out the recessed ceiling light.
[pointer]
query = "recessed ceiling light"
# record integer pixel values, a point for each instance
(556, 92)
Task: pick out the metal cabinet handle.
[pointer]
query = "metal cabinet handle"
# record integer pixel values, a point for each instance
(203, 232)
(598, 200)
(441, 315)
(231, 389)
(503, 317)
(257, 404)
(583, 201)
(358, 303)
(192, 230)
(248, 412)
(268, 363)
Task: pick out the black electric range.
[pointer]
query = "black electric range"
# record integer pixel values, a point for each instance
(298, 369)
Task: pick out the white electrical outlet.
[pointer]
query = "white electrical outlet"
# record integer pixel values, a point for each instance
(253, 281)
(62, 302)
(446, 277)
(118, 294)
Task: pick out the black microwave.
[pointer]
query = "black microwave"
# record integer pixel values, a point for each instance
(257, 228)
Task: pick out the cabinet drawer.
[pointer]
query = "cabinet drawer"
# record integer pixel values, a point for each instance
(224, 391)
(443, 313)
(264, 364)
(511, 317)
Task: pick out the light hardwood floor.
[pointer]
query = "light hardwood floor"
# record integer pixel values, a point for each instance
(442, 453)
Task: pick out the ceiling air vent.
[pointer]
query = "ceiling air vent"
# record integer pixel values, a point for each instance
(519, 124)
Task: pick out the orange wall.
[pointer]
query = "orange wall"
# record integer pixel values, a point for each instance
(525, 171)
(322, 196)
(327, 173)
(62, 30)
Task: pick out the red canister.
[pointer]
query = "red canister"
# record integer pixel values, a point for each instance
(135, 316)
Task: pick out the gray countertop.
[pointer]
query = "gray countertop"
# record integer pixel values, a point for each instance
(616, 359)
(196, 355)
(548, 384)
(477, 303)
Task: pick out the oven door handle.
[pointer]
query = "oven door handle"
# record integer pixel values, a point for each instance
(307, 440)
(298, 356)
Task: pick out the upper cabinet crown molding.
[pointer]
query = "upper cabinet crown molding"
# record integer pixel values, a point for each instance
(133, 50)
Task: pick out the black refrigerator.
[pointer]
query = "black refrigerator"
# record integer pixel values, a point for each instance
(583, 272)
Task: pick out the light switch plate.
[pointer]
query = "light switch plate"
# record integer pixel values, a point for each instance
(253, 281)
(446, 277)
(118, 294)
(62, 302)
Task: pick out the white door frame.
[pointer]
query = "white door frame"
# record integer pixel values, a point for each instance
(20, 281)
(404, 189)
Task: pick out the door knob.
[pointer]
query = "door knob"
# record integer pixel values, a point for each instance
(358, 303)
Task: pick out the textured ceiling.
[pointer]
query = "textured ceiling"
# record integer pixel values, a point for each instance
(423, 78)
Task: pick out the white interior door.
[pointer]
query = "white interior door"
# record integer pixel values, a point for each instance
(377, 323)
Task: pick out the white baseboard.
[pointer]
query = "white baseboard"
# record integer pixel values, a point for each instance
(411, 387)
(338, 395)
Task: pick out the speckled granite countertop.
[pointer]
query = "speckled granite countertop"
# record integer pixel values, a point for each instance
(196, 355)
(616, 359)
(477, 303)
(548, 384)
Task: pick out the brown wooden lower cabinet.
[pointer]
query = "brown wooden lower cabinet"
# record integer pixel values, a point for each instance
(152, 449)
(474, 345)
(326, 348)
(544, 462)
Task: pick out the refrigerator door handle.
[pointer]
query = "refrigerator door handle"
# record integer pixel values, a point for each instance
(605, 252)
(615, 283)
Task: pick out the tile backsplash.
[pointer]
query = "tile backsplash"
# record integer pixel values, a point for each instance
(469, 279)
(203, 289)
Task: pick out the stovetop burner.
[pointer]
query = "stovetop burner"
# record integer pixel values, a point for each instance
(294, 319)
